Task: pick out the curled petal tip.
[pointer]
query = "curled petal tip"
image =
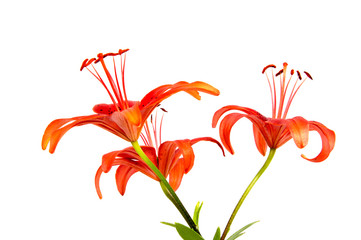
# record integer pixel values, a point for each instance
(328, 138)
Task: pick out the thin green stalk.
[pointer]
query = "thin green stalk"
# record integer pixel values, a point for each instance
(167, 189)
(248, 189)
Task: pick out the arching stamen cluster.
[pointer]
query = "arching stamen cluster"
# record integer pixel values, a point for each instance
(152, 135)
(116, 93)
(88, 62)
(283, 92)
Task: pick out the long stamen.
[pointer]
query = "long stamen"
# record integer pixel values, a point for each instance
(148, 134)
(291, 97)
(272, 90)
(116, 94)
(272, 97)
(118, 87)
(122, 70)
(283, 92)
(97, 76)
(144, 139)
(293, 93)
(110, 78)
(154, 127)
(160, 129)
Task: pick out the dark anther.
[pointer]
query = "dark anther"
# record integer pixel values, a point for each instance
(86, 63)
(83, 65)
(163, 110)
(308, 75)
(268, 66)
(299, 75)
(121, 51)
(279, 72)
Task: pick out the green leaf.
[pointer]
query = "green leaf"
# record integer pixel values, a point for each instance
(235, 235)
(217, 236)
(187, 233)
(168, 224)
(240, 231)
(197, 209)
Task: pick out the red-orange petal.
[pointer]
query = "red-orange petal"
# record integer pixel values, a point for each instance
(122, 176)
(97, 179)
(57, 128)
(299, 129)
(328, 138)
(108, 160)
(130, 121)
(185, 147)
(218, 114)
(157, 95)
(53, 126)
(209, 139)
(261, 143)
(166, 155)
(225, 129)
(176, 174)
(130, 158)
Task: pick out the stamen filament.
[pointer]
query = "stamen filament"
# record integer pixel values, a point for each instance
(144, 139)
(122, 70)
(97, 76)
(154, 127)
(272, 97)
(283, 92)
(111, 82)
(118, 87)
(284, 96)
(291, 98)
(148, 135)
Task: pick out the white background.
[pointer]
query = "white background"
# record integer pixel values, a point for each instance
(224, 43)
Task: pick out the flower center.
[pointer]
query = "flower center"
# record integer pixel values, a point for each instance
(116, 92)
(280, 106)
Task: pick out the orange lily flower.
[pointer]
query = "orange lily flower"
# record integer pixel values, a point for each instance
(172, 158)
(277, 130)
(123, 117)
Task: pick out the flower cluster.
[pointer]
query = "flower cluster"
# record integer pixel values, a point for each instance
(168, 161)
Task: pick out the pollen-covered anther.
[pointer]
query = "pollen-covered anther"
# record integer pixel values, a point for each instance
(100, 56)
(121, 51)
(279, 73)
(308, 75)
(268, 66)
(292, 72)
(86, 63)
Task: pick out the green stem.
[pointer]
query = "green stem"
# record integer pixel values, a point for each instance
(167, 189)
(248, 189)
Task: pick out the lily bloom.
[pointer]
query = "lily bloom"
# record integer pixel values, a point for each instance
(172, 158)
(123, 117)
(277, 130)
